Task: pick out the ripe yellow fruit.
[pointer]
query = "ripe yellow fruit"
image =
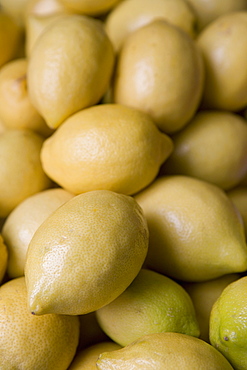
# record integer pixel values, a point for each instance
(3, 258)
(228, 329)
(164, 351)
(21, 171)
(160, 71)
(10, 38)
(21, 224)
(153, 303)
(86, 253)
(209, 10)
(63, 57)
(16, 109)
(16, 9)
(90, 7)
(107, 146)
(223, 45)
(30, 342)
(196, 233)
(129, 15)
(212, 147)
(204, 295)
(86, 359)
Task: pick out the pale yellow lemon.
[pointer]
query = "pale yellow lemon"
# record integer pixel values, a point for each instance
(21, 171)
(223, 45)
(238, 195)
(129, 15)
(228, 327)
(160, 71)
(153, 303)
(16, 109)
(89, 7)
(86, 359)
(86, 253)
(16, 9)
(24, 220)
(212, 147)
(204, 295)
(108, 146)
(35, 25)
(29, 342)
(45, 8)
(10, 37)
(196, 233)
(164, 351)
(3, 258)
(209, 10)
(70, 67)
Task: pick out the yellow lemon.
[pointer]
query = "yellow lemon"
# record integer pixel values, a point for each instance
(160, 71)
(30, 342)
(86, 253)
(86, 359)
(24, 220)
(16, 9)
(74, 52)
(107, 146)
(16, 109)
(3, 258)
(164, 351)
(129, 15)
(209, 10)
(212, 147)
(90, 7)
(21, 171)
(196, 233)
(153, 303)
(223, 45)
(228, 329)
(238, 195)
(10, 38)
(203, 296)
(44, 8)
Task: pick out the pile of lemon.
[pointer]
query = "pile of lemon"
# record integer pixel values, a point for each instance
(123, 191)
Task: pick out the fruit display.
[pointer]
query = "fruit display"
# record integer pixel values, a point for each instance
(123, 192)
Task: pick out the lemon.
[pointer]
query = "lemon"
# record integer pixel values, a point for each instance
(24, 220)
(21, 171)
(153, 303)
(86, 253)
(16, 109)
(224, 48)
(238, 195)
(129, 15)
(16, 9)
(35, 25)
(228, 323)
(90, 7)
(208, 11)
(203, 296)
(3, 258)
(91, 332)
(161, 351)
(10, 38)
(196, 233)
(160, 71)
(74, 51)
(107, 146)
(212, 147)
(86, 359)
(29, 342)
(44, 8)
